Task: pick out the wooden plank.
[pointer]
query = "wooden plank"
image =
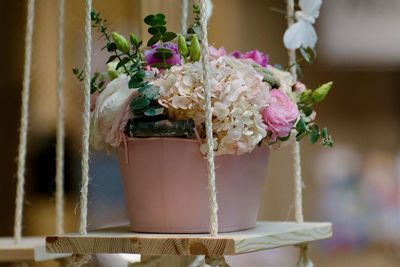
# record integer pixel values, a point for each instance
(266, 235)
(29, 249)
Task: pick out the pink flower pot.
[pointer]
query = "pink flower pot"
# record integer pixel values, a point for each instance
(165, 184)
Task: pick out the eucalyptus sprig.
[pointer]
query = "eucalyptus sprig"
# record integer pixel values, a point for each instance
(194, 28)
(311, 129)
(158, 30)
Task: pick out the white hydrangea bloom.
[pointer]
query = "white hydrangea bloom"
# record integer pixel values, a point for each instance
(238, 96)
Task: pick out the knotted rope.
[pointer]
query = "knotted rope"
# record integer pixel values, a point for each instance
(184, 17)
(212, 195)
(19, 199)
(60, 124)
(298, 182)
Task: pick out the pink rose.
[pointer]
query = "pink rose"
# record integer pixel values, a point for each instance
(216, 53)
(257, 57)
(280, 114)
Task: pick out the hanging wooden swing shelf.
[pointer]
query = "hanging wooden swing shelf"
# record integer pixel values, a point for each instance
(29, 249)
(266, 235)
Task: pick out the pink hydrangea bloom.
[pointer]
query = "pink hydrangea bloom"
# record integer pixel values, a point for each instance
(280, 115)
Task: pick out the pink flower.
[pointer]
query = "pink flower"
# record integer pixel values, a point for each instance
(257, 57)
(216, 53)
(280, 115)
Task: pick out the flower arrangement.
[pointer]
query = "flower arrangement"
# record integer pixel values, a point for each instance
(157, 91)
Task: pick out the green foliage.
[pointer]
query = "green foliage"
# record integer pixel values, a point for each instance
(78, 73)
(158, 30)
(195, 27)
(308, 54)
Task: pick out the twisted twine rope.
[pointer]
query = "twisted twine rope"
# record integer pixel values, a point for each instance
(303, 261)
(216, 261)
(298, 184)
(86, 122)
(212, 195)
(184, 17)
(60, 124)
(19, 199)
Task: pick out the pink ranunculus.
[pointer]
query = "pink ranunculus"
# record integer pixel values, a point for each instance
(236, 54)
(280, 114)
(257, 56)
(216, 53)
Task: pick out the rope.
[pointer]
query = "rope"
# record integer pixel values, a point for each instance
(19, 199)
(303, 261)
(212, 195)
(86, 122)
(184, 18)
(216, 261)
(298, 185)
(60, 125)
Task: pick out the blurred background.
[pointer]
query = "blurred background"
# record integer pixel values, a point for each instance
(355, 185)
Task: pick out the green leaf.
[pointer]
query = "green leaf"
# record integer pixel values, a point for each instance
(151, 92)
(307, 110)
(135, 83)
(314, 136)
(283, 139)
(160, 65)
(157, 29)
(309, 54)
(111, 47)
(150, 20)
(139, 103)
(112, 58)
(154, 111)
(324, 133)
(301, 126)
(163, 53)
(160, 17)
(153, 40)
(168, 36)
(122, 62)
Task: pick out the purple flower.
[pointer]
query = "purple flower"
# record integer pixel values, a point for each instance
(151, 59)
(236, 54)
(257, 57)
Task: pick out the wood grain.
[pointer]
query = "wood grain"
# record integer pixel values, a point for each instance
(266, 235)
(29, 249)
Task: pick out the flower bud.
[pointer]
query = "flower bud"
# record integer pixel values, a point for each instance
(194, 51)
(306, 97)
(120, 42)
(133, 39)
(111, 71)
(320, 93)
(182, 46)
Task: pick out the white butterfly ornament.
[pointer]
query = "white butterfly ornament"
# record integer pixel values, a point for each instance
(302, 33)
